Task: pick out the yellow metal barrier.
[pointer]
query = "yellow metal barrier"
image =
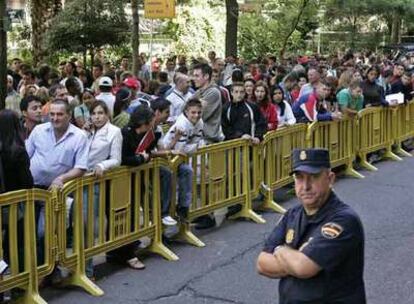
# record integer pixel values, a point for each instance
(375, 133)
(127, 208)
(17, 218)
(402, 121)
(124, 205)
(257, 169)
(277, 149)
(221, 178)
(338, 138)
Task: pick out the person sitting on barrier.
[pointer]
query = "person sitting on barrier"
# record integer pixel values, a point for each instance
(58, 153)
(351, 99)
(310, 108)
(105, 150)
(374, 95)
(161, 108)
(186, 135)
(242, 119)
(267, 108)
(31, 108)
(285, 115)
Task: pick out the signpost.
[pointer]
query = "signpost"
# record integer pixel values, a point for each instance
(157, 9)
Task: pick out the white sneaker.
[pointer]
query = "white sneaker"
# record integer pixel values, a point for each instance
(3, 266)
(168, 221)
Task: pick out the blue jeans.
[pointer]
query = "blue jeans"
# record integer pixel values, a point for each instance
(185, 178)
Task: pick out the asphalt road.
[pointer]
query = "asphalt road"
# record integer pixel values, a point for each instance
(224, 271)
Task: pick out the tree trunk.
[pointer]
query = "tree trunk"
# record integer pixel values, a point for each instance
(396, 28)
(135, 37)
(3, 56)
(232, 15)
(354, 31)
(294, 26)
(42, 12)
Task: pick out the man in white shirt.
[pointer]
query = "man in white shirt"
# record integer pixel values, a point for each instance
(179, 96)
(105, 89)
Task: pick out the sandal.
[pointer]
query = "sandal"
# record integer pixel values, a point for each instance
(135, 263)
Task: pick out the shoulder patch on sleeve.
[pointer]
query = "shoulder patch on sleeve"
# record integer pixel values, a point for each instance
(331, 230)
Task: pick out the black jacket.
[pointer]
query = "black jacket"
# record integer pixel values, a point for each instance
(399, 87)
(130, 143)
(16, 170)
(373, 94)
(242, 118)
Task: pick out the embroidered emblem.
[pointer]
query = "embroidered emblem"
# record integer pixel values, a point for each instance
(303, 155)
(331, 230)
(290, 234)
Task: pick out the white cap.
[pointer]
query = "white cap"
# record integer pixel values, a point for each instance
(105, 81)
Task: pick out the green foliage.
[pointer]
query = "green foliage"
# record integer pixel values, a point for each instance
(257, 35)
(86, 24)
(115, 52)
(367, 22)
(19, 39)
(197, 28)
(266, 31)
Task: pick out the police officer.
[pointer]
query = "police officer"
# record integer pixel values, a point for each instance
(317, 248)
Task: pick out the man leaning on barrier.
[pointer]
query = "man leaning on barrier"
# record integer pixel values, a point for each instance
(58, 153)
(317, 248)
(310, 107)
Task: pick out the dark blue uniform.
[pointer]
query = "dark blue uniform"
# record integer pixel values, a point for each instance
(334, 239)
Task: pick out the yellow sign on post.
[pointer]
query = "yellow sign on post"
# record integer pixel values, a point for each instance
(157, 9)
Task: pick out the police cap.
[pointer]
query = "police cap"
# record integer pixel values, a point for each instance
(310, 160)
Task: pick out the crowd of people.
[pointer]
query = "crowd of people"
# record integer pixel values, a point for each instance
(62, 123)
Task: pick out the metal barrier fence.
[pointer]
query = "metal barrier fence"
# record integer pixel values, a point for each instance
(375, 133)
(403, 119)
(116, 210)
(338, 138)
(19, 241)
(92, 216)
(276, 148)
(221, 178)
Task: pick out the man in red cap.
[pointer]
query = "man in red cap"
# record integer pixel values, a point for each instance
(139, 97)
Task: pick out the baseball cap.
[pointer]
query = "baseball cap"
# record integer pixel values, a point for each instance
(105, 81)
(132, 83)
